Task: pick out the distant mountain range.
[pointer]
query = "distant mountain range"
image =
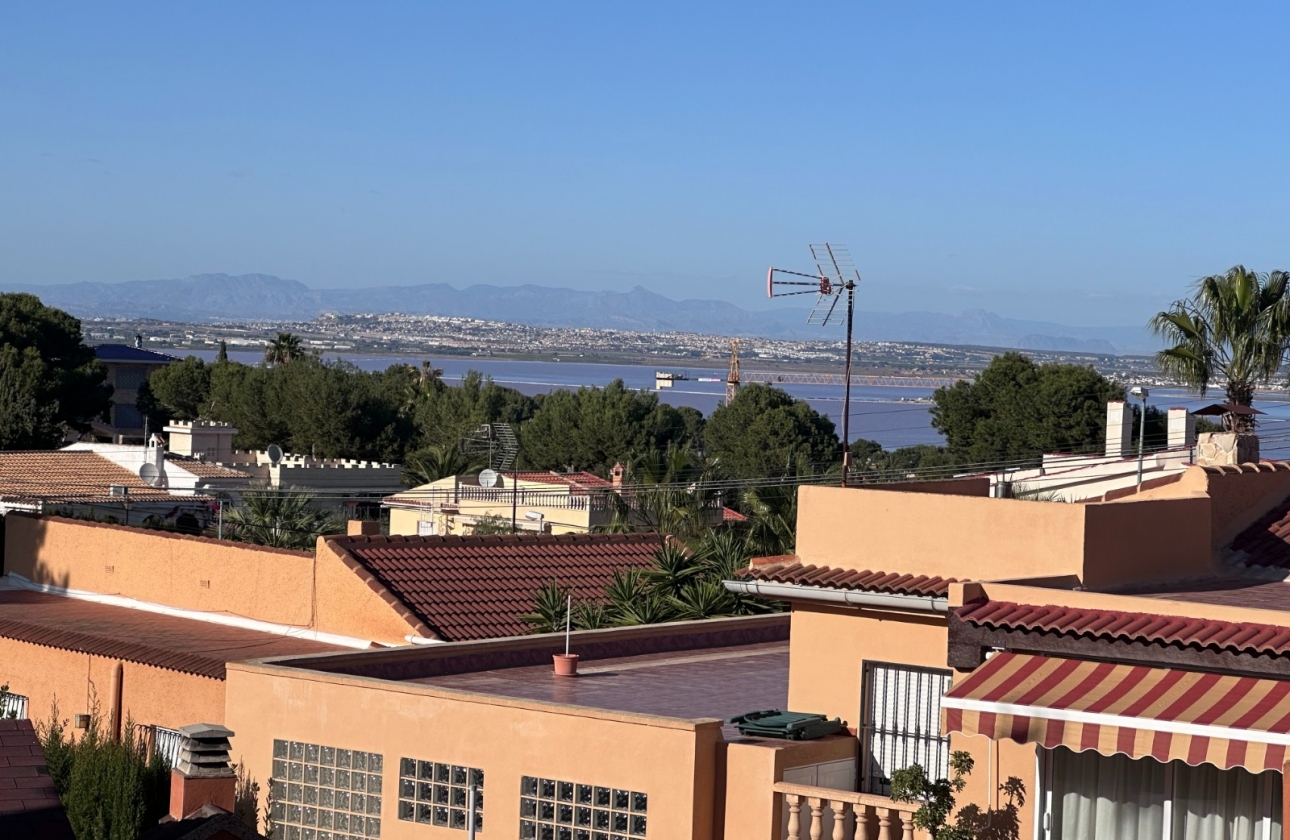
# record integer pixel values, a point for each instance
(263, 297)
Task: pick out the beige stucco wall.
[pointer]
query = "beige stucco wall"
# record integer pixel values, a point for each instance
(153, 696)
(674, 762)
(751, 810)
(995, 539)
(194, 573)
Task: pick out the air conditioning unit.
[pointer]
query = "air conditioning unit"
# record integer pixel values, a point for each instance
(118, 490)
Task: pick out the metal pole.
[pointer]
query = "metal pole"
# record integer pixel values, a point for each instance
(515, 494)
(219, 533)
(470, 807)
(1142, 436)
(846, 390)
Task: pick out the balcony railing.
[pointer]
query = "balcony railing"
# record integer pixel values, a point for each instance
(846, 814)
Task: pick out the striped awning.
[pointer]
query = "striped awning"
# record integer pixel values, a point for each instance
(1198, 718)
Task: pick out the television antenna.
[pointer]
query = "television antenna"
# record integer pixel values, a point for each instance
(494, 444)
(836, 278)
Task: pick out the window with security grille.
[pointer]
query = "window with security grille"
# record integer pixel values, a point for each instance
(902, 723)
(434, 793)
(325, 793)
(13, 705)
(556, 810)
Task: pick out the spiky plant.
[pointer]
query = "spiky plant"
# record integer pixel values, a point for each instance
(1234, 327)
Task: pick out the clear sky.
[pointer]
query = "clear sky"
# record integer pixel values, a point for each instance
(1076, 162)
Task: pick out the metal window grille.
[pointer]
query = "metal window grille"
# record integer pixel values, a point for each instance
(902, 723)
(166, 743)
(325, 792)
(555, 810)
(434, 793)
(13, 706)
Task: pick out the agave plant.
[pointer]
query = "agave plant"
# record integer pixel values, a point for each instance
(703, 599)
(550, 609)
(674, 569)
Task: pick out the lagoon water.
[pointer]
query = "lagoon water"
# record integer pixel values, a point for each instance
(893, 417)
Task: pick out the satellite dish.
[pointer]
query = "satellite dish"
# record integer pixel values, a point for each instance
(488, 478)
(150, 475)
(274, 452)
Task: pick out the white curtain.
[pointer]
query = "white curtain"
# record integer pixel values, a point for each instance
(1213, 804)
(1097, 797)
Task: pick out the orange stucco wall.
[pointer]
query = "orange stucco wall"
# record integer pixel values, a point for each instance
(750, 808)
(996, 539)
(283, 587)
(674, 762)
(153, 696)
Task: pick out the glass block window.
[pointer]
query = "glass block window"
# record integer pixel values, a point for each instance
(555, 810)
(434, 793)
(325, 793)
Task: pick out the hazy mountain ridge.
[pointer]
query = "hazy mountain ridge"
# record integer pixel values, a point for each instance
(214, 297)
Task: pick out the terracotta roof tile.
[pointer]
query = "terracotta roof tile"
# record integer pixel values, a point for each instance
(1239, 637)
(577, 480)
(205, 469)
(29, 805)
(78, 476)
(163, 641)
(789, 569)
(1267, 541)
(478, 587)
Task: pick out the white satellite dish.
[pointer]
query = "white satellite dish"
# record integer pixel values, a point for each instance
(150, 475)
(274, 452)
(488, 478)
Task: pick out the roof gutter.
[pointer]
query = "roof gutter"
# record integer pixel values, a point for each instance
(848, 597)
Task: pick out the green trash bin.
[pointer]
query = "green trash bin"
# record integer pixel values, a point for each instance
(793, 726)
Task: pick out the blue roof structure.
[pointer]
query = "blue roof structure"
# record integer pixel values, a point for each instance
(126, 353)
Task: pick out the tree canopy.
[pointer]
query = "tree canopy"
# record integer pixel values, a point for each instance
(1234, 327)
(766, 432)
(593, 428)
(50, 381)
(1018, 409)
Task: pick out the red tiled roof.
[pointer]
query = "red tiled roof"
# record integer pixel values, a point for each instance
(1239, 637)
(789, 569)
(728, 515)
(1267, 541)
(478, 587)
(205, 469)
(577, 480)
(29, 804)
(163, 641)
(71, 476)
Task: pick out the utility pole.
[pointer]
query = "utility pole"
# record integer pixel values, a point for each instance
(1141, 393)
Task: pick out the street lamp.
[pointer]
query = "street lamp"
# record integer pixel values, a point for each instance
(1141, 393)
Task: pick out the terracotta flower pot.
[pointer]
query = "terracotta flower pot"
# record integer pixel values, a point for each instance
(566, 664)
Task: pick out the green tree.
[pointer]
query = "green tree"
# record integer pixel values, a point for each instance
(1234, 328)
(869, 461)
(667, 492)
(1016, 409)
(50, 381)
(280, 518)
(594, 428)
(435, 462)
(935, 797)
(444, 414)
(221, 357)
(765, 432)
(284, 349)
(182, 389)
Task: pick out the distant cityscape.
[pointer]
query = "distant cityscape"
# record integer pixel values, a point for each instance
(432, 335)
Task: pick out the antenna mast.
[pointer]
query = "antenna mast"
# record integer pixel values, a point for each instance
(836, 277)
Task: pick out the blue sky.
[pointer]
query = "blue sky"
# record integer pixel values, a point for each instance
(1080, 163)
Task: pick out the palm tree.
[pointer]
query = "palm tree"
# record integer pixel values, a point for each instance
(668, 493)
(1234, 327)
(435, 462)
(280, 518)
(283, 349)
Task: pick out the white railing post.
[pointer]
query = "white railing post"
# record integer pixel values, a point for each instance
(794, 816)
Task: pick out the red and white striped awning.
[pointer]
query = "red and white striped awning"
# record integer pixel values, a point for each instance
(1198, 718)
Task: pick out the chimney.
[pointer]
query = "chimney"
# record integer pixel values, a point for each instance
(617, 474)
(202, 775)
(1119, 429)
(364, 528)
(1182, 429)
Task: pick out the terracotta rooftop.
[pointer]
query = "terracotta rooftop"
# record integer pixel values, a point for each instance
(578, 480)
(163, 641)
(472, 587)
(29, 805)
(1238, 637)
(710, 683)
(1267, 541)
(205, 469)
(73, 476)
(789, 569)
